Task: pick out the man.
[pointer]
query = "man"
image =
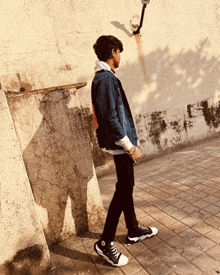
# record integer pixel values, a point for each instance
(117, 135)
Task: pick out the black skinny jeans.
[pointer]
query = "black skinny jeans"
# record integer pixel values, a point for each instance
(122, 199)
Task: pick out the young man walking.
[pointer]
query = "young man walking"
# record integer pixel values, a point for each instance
(117, 135)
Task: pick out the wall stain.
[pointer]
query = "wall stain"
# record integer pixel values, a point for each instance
(26, 261)
(189, 110)
(156, 127)
(211, 114)
(150, 127)
(21, 84)
(67, 67)
(175, 126)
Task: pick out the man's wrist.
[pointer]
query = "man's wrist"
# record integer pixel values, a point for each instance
(132, 150)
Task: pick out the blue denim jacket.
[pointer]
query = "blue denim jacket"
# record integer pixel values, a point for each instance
(112, 111)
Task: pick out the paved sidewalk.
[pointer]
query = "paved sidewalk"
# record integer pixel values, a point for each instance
(180, 194)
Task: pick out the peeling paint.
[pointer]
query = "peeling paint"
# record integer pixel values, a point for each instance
(211, 114)
(157, 126)
(189, 110)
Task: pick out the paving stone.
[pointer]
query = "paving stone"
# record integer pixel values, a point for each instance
(203, 228)
(212, 209)
(188, 269)
(217, 194)
(195, 217)
(132, 267)
(115, 271)
(142, 203)
(213, 221)
(211, 199)
(140, 213)
(173, 192)
(136, 248)
(201, 204)
(177, 227)
(180, 195)
(141, 272)
(195, 247)
(167, 221)
(214, 252)
(158, 268)
(165, 234)
(206, 264)
(190, 221)
(157, 224)
(170, 209)
(150, 209)
(180, 204)
(159, 215)
(175, 243)
(167, 255)
(161, 204)
(104, 267)
(179, 215)
(171, 200)
(209, 191)
(146, 258)
(151, 241)
(200, 186)
(147, 221)
(182, 187)
(189, 209)
(214, 235)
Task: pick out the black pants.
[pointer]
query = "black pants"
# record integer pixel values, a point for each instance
(122, 199)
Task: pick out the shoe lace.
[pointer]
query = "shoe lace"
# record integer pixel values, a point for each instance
(141, 227)
(144, 228)
(114, 251)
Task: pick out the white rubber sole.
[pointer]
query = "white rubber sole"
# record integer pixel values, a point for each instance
(99, 252)
(137, 239)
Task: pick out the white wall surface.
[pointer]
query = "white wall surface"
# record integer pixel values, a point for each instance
(173, 64)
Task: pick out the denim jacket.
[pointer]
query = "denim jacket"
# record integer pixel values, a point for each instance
(112, 111)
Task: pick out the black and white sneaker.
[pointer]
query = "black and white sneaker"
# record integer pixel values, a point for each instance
(140, 233)
(110, 253)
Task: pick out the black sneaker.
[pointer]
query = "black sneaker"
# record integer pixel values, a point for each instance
(140, 233)
(110, 253)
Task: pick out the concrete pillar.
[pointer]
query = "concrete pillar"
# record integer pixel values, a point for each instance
(23, 248)
(57, 155)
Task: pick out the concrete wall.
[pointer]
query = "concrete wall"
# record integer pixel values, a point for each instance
(170, 73)
(57, 155)
(23, 248)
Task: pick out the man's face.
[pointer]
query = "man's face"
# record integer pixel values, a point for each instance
(116, 58)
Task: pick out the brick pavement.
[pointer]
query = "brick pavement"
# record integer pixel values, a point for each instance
(180, 194)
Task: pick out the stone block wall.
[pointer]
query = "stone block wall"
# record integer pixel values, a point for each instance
(23, 248)
(57, 155)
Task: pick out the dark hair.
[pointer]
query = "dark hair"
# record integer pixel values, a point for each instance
(104, 46)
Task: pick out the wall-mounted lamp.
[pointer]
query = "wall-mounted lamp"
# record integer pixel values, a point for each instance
(144, 2)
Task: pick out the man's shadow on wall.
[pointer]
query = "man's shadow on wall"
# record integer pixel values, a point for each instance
(59, 165)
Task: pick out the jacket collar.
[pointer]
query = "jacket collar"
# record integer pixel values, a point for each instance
(101, 65)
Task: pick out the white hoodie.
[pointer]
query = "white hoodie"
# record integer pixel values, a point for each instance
(125, 141)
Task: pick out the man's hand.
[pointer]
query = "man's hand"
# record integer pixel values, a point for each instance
(135, 156)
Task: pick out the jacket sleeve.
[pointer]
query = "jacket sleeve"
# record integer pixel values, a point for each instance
(105, 107)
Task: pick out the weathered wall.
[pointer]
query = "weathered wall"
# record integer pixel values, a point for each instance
(23, 248)
(171, 69)
(57, 155)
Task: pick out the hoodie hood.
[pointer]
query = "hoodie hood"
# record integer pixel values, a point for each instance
(101, 65)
